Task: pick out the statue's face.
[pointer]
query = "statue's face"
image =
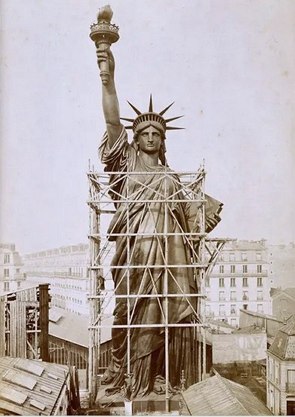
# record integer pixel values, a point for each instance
(149, 140)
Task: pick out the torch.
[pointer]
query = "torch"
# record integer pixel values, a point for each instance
(104, 33)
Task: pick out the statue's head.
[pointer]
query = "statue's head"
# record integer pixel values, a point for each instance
(148, 120)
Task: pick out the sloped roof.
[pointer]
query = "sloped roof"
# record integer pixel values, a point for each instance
(74, 328)
(218, 396)
(250, 329)
(290, 292)
(283, 345)
(30, 387)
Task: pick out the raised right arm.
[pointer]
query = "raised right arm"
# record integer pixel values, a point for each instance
(110, 102)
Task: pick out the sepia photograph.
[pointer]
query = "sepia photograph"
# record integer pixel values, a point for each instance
(147, 237)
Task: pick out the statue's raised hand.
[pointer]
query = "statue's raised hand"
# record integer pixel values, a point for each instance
(105, 56)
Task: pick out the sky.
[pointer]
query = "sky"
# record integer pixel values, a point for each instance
(229, 66)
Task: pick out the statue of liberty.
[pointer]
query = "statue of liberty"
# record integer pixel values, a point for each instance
(148, 235)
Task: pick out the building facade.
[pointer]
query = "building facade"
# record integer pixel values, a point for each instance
(12, 276)
(66, 270)
(283, 302)
(281, 371)
(239, 280)
(282, 264)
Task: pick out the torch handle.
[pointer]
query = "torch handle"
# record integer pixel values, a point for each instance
(104, 65)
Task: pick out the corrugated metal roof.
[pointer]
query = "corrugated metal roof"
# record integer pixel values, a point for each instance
(74, 328)
(218, 396)
(22, 398)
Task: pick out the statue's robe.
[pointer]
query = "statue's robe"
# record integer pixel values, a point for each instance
(145, 216)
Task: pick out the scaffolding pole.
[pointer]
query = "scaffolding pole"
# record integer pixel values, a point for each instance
(204, 252)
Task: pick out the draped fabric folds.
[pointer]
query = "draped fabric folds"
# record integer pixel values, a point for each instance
(148, 241)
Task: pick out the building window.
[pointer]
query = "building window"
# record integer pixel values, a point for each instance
(220, 258)
(245, 306)
(259, 269)
(232, 256)
(221, 282)
(244, 256)
(232, 282)
(233, 322)
(207, 282)
(6, 286)
(221, 309)
(221, 269)
(232, 269)
(245, 295)
(259, 295)
(259, 282)
(233, 310)
(245, 269)
(259, 308)
(6, 273)
(245, 282)
(208, 310)
(6, 258)
(221, 296)
(233, 295)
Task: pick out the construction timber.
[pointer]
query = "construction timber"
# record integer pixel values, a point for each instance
(204, 253)
(24, 323)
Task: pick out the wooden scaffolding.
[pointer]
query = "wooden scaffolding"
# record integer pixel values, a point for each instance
(24, 323)
(204, 252)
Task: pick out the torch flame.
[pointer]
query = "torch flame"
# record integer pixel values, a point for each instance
(105, 14)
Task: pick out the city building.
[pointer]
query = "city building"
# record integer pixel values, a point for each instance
(283, 302)
(31, 387)
(69, 339)
(239, 280)
(270, 324)
(12, 276)
(281, 371)
(66, 270)
(242, 346)
(281, 260)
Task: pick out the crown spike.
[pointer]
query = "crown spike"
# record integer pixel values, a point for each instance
(173, 118)
(127, 119)
(174, 128)
(167, 108)
(151, 104)
(134, 108)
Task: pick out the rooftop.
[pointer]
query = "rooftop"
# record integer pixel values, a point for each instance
(283, 345)
(287, 291)
(74, 328)
(30, 387)
(218, 396)
(245, 245)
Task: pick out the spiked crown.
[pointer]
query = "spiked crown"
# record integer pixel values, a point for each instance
(150, 118)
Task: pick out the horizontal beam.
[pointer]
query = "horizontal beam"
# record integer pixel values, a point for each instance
(174, 295)
(145, 326)
(192, 265)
